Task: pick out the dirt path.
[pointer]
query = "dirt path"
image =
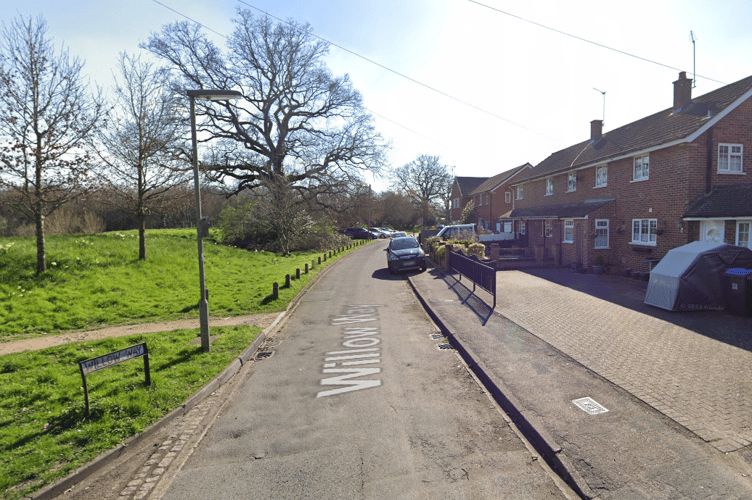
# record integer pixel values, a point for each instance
(260, 320)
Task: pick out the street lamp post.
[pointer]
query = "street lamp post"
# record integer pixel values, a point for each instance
(201, 225)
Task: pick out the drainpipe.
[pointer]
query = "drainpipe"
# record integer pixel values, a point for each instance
(709, 163)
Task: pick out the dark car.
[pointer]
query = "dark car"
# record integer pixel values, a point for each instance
(404, 254)
(359, 233)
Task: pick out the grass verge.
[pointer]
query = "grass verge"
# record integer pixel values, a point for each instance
(44, 434)
(94, 281)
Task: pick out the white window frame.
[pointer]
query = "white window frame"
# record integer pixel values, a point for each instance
(568, 231)
(507, 197)
(641, 168)
(726, 154)
(548, 228)
(743, 228)
(519, 192)
(571, 182)
(644, 232)
(549, 186)
(601, 225)
(456, 203)
(601, 176)
(523, 228)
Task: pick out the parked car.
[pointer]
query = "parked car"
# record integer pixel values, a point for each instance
(403, 254)
(380, 233)
(359, 233)
(398, 234)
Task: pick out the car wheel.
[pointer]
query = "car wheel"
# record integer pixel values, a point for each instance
(391, 271)
(424, 268)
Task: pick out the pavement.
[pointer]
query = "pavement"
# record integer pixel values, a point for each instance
(670, 393)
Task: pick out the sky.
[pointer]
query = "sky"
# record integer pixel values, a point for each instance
(486, 85)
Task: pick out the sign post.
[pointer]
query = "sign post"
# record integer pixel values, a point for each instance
(107, 360)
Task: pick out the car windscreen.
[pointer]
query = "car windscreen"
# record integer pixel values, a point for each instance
(404, 243)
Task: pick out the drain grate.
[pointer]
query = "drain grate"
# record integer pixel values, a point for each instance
(437, 336)
(445, 347)
(263, 355)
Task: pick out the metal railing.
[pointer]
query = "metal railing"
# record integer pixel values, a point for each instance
(478, 273)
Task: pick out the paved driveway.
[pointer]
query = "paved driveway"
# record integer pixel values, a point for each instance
(695, 368)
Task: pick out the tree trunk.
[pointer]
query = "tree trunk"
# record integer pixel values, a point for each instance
(141, 237)
(41, 252)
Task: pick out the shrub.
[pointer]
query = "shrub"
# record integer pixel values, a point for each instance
(477, 249)
(598, 260)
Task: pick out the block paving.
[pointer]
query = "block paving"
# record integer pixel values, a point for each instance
(703, 384)
(147, 477)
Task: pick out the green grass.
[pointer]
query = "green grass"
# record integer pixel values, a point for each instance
(44, 434)
(97, 280)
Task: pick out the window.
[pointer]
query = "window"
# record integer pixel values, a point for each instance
(522, 227)
(571, 182)
(508, 197)
(456, 203)
(601, 233)
(742, 234)
(730, 158)
(601, 176)
(549, 186)
(568, 231)
(641, 171)
(519, 192)
(549, 228)
(644, 231)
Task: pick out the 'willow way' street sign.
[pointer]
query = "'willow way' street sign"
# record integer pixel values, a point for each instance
(107, 360)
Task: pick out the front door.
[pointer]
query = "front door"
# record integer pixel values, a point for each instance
(712, 231)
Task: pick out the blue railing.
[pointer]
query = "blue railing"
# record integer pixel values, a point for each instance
(480, 274)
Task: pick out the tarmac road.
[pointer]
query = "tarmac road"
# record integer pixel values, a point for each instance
(358, 401)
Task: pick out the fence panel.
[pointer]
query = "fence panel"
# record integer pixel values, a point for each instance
(480, 274)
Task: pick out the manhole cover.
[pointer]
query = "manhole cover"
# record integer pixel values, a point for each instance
(445, 347)
(590, 406)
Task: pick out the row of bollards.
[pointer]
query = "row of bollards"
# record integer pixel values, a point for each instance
(314, 263)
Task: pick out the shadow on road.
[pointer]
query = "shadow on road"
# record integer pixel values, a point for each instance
(383, 274)
(466, 296)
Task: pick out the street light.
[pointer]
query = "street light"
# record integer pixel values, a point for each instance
(202, 227)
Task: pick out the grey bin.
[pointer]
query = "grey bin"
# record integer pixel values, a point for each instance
(739, 291)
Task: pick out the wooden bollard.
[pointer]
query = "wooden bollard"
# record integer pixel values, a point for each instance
(287, 281)
(275, 290)
(306, 268)
(319, 260)
(297, 273)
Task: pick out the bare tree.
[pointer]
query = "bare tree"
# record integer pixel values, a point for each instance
(142, 142)
(45, 113)
(424, 181)
(296, 125)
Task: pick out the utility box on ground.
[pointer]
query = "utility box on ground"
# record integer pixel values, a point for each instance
(739, 291)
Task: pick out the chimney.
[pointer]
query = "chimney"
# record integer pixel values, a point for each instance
(596, 129)
(682, 91)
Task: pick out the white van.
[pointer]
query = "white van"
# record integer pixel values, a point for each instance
(460, 232)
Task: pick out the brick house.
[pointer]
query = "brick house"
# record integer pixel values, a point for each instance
(636, 192)
(461, 189)
(493, 199)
